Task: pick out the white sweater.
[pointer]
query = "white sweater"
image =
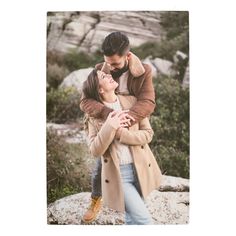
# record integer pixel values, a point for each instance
(123, 151)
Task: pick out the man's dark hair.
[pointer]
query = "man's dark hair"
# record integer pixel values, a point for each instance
(115, 43)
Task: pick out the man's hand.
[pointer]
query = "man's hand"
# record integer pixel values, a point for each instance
(117, 119)
(126, 116)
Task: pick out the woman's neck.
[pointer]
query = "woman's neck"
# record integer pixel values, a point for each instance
(109, 97)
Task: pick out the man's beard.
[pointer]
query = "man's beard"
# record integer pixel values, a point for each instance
(116, 74)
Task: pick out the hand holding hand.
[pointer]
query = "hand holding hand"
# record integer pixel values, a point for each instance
(126, 116)
(118, 119)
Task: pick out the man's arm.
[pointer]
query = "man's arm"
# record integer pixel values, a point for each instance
(145, 95)
(94, 108)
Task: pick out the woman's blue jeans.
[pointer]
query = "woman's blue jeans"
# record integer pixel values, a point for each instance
(136, 213)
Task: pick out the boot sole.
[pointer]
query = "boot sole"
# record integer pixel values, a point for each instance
(89, 221)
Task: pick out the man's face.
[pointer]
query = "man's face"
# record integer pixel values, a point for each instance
(118, 64)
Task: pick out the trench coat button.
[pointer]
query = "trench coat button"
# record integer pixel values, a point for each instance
(142, 147)
(105, 160)
(107, 181)
(149, 164)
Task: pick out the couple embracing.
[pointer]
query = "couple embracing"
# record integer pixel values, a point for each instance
(118, 98)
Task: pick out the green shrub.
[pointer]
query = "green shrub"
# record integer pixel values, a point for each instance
(63, 105)
(170, 122)
(164, 49)
(55, 75)
(68, 171)
(54, 57)
(174, 23)
(76, 60)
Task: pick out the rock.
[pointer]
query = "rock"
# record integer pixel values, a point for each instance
(148, 61)
(85, 31)
(179, 56)
(76, 79)
(55, 27)
(174, 184)
(72, 132)
(67, 31)
(169, 207)
(69, 210)
(165, 207)
(163, 66)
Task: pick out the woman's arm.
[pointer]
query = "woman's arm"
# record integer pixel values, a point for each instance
(99, 141)
(140, 137)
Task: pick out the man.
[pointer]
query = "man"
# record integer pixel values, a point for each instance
(134, 78)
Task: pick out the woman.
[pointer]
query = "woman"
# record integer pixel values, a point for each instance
(129, 169)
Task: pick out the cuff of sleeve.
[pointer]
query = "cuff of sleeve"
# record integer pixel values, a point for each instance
(123, 135)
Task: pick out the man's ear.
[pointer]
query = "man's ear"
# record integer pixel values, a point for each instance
(129, 55)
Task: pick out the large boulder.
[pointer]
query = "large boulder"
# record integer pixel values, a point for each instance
(149, 61)
(174, 184)
(76, 79)
(165, 207)
(163, 66)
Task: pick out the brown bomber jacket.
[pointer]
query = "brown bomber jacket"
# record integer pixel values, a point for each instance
(141, 87)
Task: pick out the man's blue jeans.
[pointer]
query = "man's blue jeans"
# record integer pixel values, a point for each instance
(96, 179)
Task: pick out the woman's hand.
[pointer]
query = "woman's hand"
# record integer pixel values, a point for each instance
(118, 132)
(118, 119)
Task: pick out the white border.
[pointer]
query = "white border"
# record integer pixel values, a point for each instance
(23, 117)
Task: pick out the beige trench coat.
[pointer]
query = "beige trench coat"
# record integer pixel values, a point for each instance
(101, 136)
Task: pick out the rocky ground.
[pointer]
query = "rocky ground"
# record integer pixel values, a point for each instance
(168, 205)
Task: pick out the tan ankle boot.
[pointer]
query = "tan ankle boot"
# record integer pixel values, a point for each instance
(93, 210)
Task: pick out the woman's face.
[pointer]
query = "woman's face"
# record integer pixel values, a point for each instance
(106, 82)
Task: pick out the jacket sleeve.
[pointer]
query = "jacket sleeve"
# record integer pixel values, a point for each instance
(138, 137)
(145, 104)
(99, 141)
(94, 108)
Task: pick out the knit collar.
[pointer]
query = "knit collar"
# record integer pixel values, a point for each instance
(112, 105)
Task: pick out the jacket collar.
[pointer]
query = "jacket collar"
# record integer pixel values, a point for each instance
(135, 66)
